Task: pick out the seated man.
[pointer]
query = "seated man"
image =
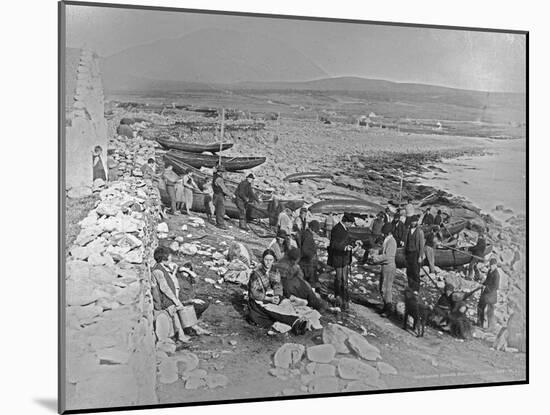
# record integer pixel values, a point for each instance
(293, 282)
(445, 304)
(169, 297)
(264, 288)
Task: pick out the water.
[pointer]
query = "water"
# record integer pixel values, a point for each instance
(495, 179)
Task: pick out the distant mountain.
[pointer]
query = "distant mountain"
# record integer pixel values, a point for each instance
(209, 56)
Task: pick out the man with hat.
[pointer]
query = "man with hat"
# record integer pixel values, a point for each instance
(488, 297)
(339, 257)
(220, 191)
(387, 260)
(477, 252)
(301, 220)
(244, 195)
(414, 253)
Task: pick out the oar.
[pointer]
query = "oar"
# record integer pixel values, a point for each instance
(464, 252)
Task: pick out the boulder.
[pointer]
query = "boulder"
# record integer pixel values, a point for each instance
(162, 227)
(113, 356)
(323, 353)
(80, 293)
(386, 369)
(195, 383)
(216, 381)
(186, 362)
(320, 369)
(288, 355)
(336, 335)
(360, 346)
(323, 384)
(354, 369)
(168, 371)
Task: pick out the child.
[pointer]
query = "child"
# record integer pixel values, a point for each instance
(97, 163)
(208, 204)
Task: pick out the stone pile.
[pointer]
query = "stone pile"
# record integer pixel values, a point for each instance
(345, 361)
(109, 312)
(184, 366)
(128, 155)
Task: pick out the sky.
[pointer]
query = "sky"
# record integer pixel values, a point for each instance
(460, 59)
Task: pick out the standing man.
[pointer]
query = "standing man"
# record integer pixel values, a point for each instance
(414, 253)
(432, 242)
(488, 297)
(398, 229)
(409, 211)
(478, 252)
(428, 218)
(301, 221)
(377, 224)
(220, 191)
(244, 195)
(308, 252)
(339, 257)
(438, 220)
(387, 260)
(171, 178)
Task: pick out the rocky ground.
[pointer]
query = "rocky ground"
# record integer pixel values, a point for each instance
(237, 360)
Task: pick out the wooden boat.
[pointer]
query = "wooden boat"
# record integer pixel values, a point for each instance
(297, 177)
(449, 229)
(204, 160)
(192, 147)
(444, 257)
(337, 195)
(354, 206)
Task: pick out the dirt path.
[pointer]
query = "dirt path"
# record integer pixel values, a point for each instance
(244, 353)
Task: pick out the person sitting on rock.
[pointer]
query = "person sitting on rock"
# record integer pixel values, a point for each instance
(293, 281)
(445, 304)
(168, 295)
(264, 288)
(97, 163)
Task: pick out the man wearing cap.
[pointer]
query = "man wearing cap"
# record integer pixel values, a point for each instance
(308, 251)
(387, 260)
(488, 297)
(339, 257)
(478, 252)
(301, 221)
(244, 195)
(220, 191)
(398, 229)
(414, 253)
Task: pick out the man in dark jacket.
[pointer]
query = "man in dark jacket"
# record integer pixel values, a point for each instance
(438, 220)
(398, 229)
(414, 253)
(428, 218)
(220, 191)
(488, 297)
(244, 195)
(478, 252)
(339, 257)
(308, 251)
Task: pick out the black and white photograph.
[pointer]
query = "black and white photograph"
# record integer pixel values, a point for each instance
(271, 207)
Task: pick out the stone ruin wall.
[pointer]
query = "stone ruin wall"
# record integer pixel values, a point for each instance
(85, 125)
(109, 354)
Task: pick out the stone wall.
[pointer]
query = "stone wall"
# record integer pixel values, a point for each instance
(85, 125)
(110, 344)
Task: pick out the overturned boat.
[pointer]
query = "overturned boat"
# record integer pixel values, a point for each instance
(210, 161)
(298, 177)
(193, 147)
(353, 206)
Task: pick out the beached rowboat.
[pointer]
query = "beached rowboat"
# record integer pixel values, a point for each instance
(444, 257)
(353, 206)
(297, 177)
(210, 161)
(192, 147)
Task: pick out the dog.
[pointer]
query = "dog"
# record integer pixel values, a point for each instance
(418, 310)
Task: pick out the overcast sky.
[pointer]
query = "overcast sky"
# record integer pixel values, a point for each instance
(460, 59)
